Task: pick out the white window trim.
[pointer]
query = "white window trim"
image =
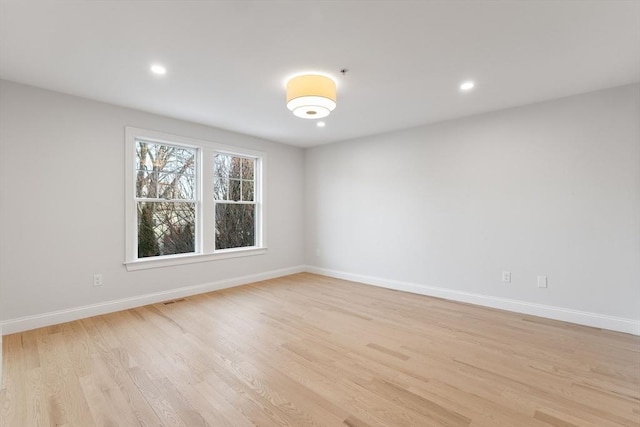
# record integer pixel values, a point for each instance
(204, 248)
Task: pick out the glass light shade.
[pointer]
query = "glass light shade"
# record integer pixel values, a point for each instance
(311, 96)
(311, 107)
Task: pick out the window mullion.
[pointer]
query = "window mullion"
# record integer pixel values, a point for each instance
(259, 200)
(208, 219)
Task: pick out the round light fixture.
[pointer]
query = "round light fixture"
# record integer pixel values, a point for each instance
(311, 96)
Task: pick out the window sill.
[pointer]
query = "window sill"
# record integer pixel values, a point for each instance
(173, 260)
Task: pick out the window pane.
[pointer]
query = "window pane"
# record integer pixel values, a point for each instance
(234, 190)
(165, 228)
(165, 171)
(145, 153)
(235, 225)
(247, 191)
(187, 185)
(222, 165)
(227, 166)
(220, 162)
(146, 184)
(220, 189)
(236, 166)
(247, 168)
(176, 159)
(168, 158)
(176, 186)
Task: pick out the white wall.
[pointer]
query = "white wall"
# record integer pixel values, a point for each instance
(547, 189)
(62, 206)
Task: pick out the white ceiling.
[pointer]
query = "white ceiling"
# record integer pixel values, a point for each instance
(227, 60)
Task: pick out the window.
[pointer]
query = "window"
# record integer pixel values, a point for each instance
(190, 200)
(165, 199)
(234, 196)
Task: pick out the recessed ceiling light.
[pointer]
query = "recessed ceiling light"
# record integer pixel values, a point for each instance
(468, 85)
(320, 124)
(158, 69)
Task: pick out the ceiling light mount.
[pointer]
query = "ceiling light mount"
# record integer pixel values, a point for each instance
(311, 96)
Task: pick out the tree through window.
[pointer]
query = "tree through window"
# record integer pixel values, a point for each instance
(190, 200)
(233, 190)
(166, 199)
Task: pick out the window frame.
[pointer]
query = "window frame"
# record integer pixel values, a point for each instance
(205, 205)
(195, 200)
(230, 201)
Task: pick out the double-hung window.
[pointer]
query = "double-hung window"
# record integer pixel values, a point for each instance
(234, 195)
(166, 198)
(190, 200)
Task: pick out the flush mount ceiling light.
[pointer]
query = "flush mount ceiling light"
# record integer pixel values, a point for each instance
(311, 96)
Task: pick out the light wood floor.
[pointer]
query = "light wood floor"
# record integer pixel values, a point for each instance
(307, 350)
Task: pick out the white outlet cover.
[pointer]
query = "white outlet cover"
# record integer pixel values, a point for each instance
(97, 280)
(542, 281)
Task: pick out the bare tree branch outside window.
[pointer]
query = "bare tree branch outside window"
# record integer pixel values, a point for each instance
(166, 191)
(234, 194)
(167, 199)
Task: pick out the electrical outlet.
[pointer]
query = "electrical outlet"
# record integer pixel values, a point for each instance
(97, 279)
(542, 281)
(506, 276)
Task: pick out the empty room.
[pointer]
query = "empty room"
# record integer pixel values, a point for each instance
(349, 213)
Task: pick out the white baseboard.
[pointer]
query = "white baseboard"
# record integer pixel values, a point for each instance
(629, 326)
(619, 324)
(61, 316)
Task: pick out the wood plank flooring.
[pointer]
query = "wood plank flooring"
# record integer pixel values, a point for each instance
(307, 350)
